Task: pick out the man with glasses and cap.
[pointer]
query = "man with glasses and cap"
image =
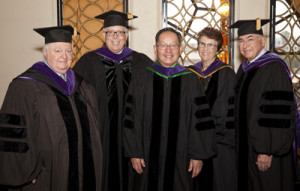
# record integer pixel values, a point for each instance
(49, 133)
(266, 114)
(110, 69)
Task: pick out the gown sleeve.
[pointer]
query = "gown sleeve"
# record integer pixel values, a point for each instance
(19, 153)
(271, 111)
(133, 132)
(202, 127)
(223, 108)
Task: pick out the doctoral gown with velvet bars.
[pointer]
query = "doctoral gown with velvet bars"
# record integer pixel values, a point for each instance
(266, 124)
(49, 132)
(167, 122)
(111, 74)
(218, 82)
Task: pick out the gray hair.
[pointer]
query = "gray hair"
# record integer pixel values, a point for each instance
(47, 47)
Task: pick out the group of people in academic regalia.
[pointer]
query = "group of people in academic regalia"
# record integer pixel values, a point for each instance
(118, 121)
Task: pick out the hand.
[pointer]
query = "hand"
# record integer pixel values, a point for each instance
(195, 166)
(264, 162)
(137, 164)
(33, 182)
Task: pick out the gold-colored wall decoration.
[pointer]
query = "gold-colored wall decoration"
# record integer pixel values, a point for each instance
(191, 16)
(80, 14)
(287, 37)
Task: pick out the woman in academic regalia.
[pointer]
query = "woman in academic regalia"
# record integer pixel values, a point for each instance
(217, 80)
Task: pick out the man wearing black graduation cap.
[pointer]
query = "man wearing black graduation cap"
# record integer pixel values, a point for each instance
(49, 133)
(266, 114)
(110, 69)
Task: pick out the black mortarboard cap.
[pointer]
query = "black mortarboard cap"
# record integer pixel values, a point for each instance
(57, 33)
(250, 26)
(115, 18)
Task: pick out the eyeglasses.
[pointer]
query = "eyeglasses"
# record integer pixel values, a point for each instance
(249, 40)
(118, 33)
(165, 46)
(208, 45)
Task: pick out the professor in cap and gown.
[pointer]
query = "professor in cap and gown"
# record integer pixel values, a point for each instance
(168, 126)
(110, 70)
(49, 133)
(266, 114)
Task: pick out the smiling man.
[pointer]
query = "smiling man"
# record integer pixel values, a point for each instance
(168, 129)
(266, 114)
(49, 133)
(110, 70)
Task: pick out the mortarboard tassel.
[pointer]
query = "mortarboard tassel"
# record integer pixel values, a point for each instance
(130, 16)
(258, 24)
(75, 31)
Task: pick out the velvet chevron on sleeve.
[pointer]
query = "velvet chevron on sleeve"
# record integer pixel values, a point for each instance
(266, 124)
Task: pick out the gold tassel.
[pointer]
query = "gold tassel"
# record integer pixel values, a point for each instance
(129, 16)
(75, 31)
(258, 24)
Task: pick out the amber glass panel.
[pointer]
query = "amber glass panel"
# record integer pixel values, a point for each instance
(80, 14)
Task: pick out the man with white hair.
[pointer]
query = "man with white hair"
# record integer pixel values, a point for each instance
(49, 133)
(266, 114)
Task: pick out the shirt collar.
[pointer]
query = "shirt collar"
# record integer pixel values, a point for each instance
(262, 52)
(59, 74)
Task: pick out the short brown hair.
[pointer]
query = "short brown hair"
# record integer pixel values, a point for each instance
(212, 34)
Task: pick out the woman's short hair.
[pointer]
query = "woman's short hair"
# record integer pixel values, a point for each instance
(211, 33)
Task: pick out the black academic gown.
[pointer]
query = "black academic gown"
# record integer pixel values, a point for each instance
(218, 83)
(167, 123)
(111, 80)
(49, 136)
(266, 125)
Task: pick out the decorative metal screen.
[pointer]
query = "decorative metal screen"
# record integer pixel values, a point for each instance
(287, 43)
(80, 14)
(191, 16)
(287, 37)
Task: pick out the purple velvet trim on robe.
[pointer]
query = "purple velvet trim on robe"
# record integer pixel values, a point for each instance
(263, 60)
(67, 86)
(106, 53)
(168, 71)
(211, 68)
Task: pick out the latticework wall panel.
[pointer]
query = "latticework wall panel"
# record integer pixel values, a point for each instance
(191, 16)
(287, 37)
